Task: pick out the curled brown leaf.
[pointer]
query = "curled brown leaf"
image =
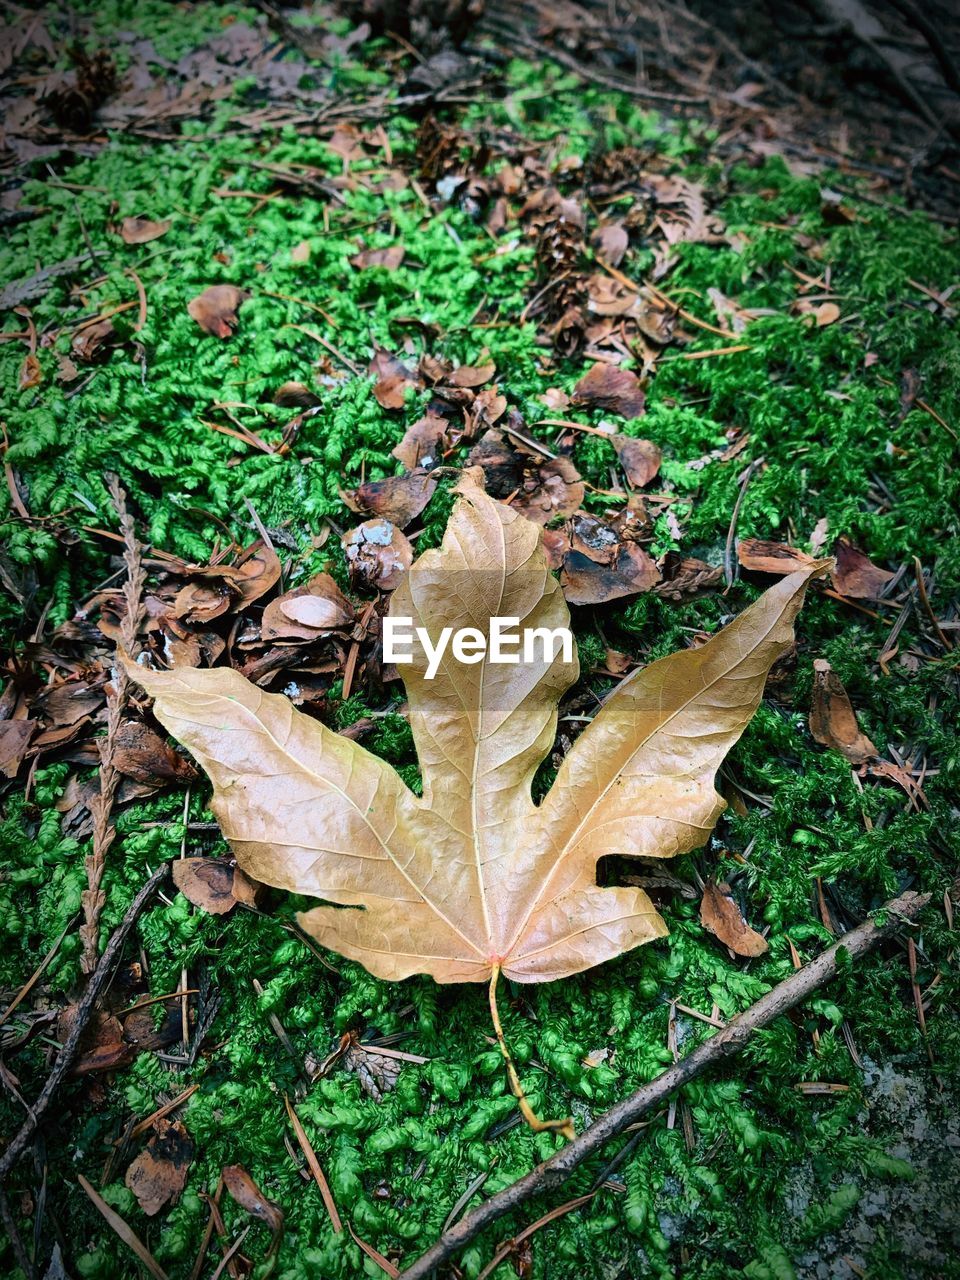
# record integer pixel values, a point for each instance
(215, 310)
(833, 721)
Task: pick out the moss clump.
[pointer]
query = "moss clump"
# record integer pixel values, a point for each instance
(827, 421)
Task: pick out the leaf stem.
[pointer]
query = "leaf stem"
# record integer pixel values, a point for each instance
(564, 1127)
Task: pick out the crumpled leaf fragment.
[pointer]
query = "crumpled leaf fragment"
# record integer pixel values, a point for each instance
(833, 721)
(398, 498)
(423, 443)
(159, 1173)
(536, 486)
(855, 575)
(609, 387)
(139, 230)
(601, 565)
(215, 885)
(760, 555)
(721, 915)
(640, 459)
(473, 878)
(313, 609)
(378, 554)
(215, 310)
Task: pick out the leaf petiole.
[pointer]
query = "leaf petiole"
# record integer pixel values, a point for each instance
(564, 1127)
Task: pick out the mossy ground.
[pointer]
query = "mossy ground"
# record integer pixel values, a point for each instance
(827, 422)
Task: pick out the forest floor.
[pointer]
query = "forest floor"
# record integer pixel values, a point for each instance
(415, 250)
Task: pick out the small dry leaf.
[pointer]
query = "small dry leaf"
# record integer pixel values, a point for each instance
(721, 915)
(474, 877)
(317, 606)
(398, 499)
(469, 375)
(588, 581)
(15, 737)
(93, 343)
(686, 578)
(378, 553)
(300, 252)
(761, 556)
(215, 885)
(390, 258)
(833, 721)
(140, 753)
(611, 241)
(538, 487)
(424, 443)
(102, 1046)
(159, 1173)
(827, 313)
(215, 310)
(295, 395)
(255, 573)
(640, 459)
(556, 399)
(855, 575)
(607, 386)
(391, 392)
(200, 602)
(143, 230)
(31, 373)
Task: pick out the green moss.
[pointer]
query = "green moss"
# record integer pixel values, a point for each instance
(828, 425)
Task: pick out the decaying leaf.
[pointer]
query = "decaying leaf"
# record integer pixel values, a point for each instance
(390, 258)
(686, 578)
(760, 556)
(378, 553)
(601, 560)
(92, 343)
(215, 885)
(295, 395)
(584, 581)
(15, 737)
(159, 1172)
(640, 459)
(721, 915)
(398, 498)
(423, 443)
(833, 721)
(215, 310)
(855, 575)
(31, 373)
(140, 753)
(536, 486)
(474, 879)
(307, 612)
(607, 386)
(143, 230)
(102, 1045)
(248, 1196)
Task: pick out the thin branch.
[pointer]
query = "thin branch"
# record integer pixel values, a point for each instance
(731, 1040)
(101, 806)
(85, 1008)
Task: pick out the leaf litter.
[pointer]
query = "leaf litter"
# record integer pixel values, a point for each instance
(200, 615)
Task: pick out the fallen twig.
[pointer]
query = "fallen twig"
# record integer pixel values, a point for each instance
(101, 806)
(731, 1040)
(85, 1007)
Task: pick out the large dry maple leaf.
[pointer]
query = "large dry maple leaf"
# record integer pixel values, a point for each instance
(474, 878)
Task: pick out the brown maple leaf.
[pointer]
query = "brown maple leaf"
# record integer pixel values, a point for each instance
(474, 878)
